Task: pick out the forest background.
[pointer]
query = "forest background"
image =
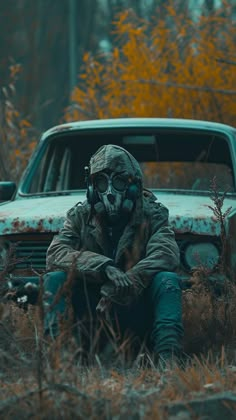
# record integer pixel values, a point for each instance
(64, 60)
(83, 59)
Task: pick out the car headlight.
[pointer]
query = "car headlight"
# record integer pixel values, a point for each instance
(204, 254)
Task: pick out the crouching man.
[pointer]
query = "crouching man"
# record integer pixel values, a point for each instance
(123, 253)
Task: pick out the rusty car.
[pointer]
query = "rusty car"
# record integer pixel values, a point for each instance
(178, 157)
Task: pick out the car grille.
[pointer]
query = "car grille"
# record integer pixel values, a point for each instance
(28, 252)
(31, 254)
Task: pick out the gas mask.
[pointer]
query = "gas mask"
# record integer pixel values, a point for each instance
(111, 190)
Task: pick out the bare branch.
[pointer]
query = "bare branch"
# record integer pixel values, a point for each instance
(78, 108)
(222, 60)
(183, 86)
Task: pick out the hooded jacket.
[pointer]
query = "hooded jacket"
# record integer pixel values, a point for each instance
(146, 246)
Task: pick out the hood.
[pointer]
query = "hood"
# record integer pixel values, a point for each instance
(116, 159)
(191, 213)
(187, 214)
(36, 214)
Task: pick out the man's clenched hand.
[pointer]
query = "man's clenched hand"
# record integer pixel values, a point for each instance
(120, 280)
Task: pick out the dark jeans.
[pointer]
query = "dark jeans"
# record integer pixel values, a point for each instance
(157, 313)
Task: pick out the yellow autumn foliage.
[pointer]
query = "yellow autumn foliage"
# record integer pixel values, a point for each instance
(179, 68)
(16, 133)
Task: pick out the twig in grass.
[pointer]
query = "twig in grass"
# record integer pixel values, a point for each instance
(67, 388)
(99, 365)
(217, 209)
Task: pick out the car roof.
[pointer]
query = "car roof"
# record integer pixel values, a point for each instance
(114, 123)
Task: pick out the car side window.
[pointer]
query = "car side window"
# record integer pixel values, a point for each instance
(53, 174)
(58, 171)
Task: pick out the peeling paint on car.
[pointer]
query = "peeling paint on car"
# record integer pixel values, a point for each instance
(187, 214)
(30, 226)
(207, 226)
(63, 127)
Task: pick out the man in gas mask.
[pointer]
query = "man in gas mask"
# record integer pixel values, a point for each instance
(123, 253)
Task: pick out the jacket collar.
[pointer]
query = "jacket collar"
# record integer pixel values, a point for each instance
(95, 229)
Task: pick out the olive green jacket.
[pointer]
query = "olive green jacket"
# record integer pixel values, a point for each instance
(146, 246)
(144, 249)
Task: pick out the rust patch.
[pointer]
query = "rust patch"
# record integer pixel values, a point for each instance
(27, 226)
(59, 128)
(16, 224)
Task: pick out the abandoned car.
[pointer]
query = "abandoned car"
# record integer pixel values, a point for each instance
(179, 159)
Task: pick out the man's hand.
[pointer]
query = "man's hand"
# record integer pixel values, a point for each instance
(120, 280)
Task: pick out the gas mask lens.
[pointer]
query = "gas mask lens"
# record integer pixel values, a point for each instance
(117, 181)
(101, 183)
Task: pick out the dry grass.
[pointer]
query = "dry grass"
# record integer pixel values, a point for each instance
(43, 379)
(210, 318)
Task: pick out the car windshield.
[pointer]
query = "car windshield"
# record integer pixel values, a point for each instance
(169, 160)
(186, 175)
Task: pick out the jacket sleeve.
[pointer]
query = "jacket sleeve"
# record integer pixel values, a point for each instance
(66, 251)
(162, 251)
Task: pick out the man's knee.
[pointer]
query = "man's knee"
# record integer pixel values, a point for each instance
(166, 281)
(53, 281)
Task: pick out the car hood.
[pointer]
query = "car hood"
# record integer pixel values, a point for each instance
(46, 214)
